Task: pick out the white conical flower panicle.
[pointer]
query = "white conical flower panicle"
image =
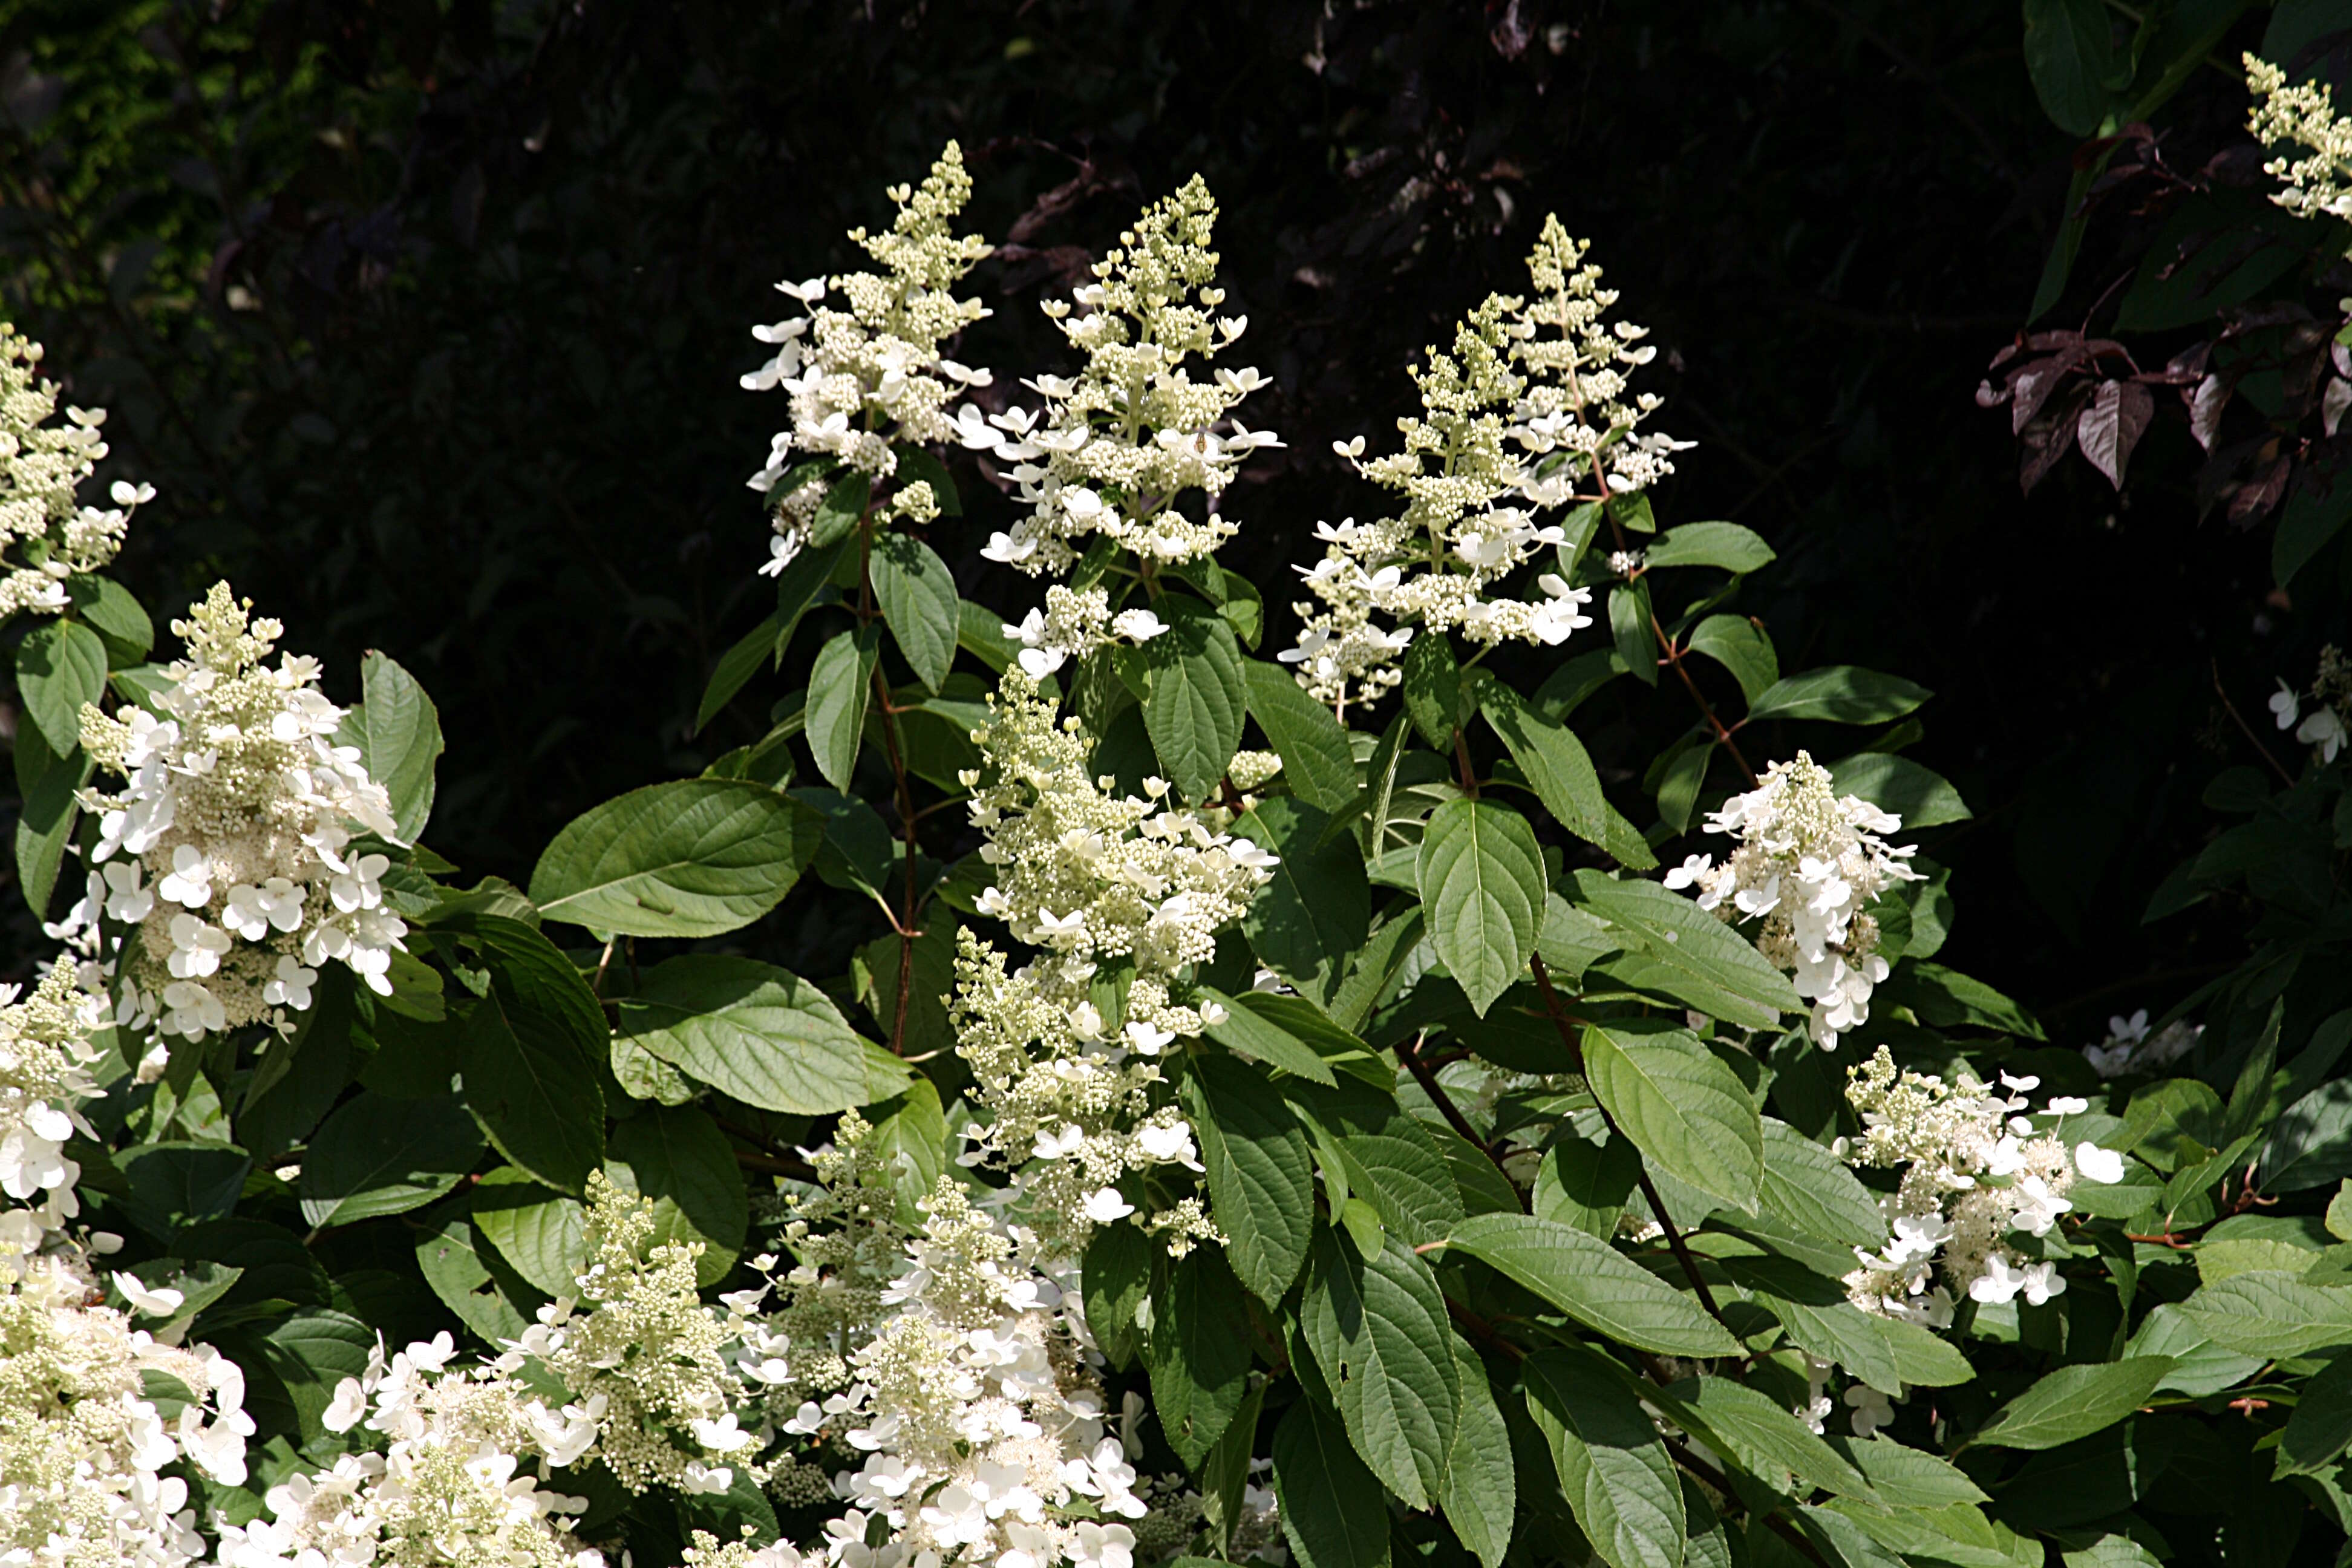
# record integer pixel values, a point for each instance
(45, 1060)
(871, 371)
(1128, 437)
(47, 535)
(1808, 864)
(1093, 881)
(235, 822)
(1530, 411)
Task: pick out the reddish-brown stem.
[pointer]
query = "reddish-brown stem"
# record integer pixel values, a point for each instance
(2247, 730)
(1706, 709)
(1424, 1075)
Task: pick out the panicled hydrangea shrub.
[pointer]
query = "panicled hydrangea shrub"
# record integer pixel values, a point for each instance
(47, 535)
(1122, 441)
(861, 377)
(235, 825)
(1808, 865)
(1977, 1169)
(1516, 421)
(1095, 880)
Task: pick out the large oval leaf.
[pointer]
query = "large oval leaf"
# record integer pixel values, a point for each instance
(749, 1029)
(60, 664)
(918, 598)
(377, 1155)
(1197, 698)
(1482, 887)
(1685, 1110)
(1261, 1177)
(691, 857)
(1619, 1481)
(1378, 1328)
(1593, 1283)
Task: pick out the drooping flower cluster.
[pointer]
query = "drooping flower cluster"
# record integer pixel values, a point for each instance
(45, 1059)
(1073, 624)
(47, 535)
(1101, 883)
(2129, 1048)
(871, 374)
(2320, 186)
(1514, 422)
(1120, 442)
(2328, 725)
(1977, 1167)
(448, 1489)
(1808, 865)
(234, 823)
(970, 1398)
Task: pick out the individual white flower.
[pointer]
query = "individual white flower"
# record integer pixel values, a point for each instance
(190, 880)
(2286, 706)
(155, 1303)
(2093, 1163)
(1105, 1206)
(1872, 1409)
(2323, 728)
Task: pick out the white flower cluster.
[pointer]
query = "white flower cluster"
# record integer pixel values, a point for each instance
(83, 1442)
(1122, 440)
(1808, 865)
(2129, 1048)
(651, 1391)
(1976, 1167)
(87, 1417)
(1513, 422)
(1092, 880)
(970, 1398)
(863, 377)
(46, 535)
(447, 1489)
(1073, 624)
(645, 1356)
(2324, 728)
(234, 822)
(45, 1059)
(2321, 184)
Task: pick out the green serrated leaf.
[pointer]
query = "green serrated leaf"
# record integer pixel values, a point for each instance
(753, 1031)
(1316, 760)
(1685, 1110)
(916, 593)
(688, 859)
(841, 683)
(2074, 1402)
(1199, 695)
(376, 1155)
(1593, 1283)
(1482, 888)
(1260, 1174)
(1619, 1479)
(60, 664)
(1377, 1324)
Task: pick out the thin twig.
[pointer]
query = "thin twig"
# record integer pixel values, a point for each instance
(2247, 730)
(1410, 1055)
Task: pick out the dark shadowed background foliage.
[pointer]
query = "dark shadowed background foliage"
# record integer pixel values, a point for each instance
(424, 317)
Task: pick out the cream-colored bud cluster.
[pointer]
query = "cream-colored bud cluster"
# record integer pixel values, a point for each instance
(1809, 863)
(47, 535)
(1977, 1169)
(644, 1354)
(2320, 186)
(873, 373)
(1122, 442)
(1121, 895)
(1530, 411)
(235, 824)
(1073, 623)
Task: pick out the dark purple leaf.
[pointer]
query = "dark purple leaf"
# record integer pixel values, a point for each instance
(2254, 499)
(2205, 405)
(2049, 438)
(2112, 426)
